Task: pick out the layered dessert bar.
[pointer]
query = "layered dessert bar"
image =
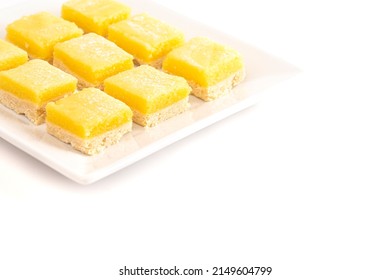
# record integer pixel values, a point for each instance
(91, 59)
(11, 56)
(37, 34)
(146, 38)
(211, 69)
(89, 120)
(27, 89)
(153, 96)
(95, 15)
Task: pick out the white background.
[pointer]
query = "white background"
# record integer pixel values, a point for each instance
(298, 182)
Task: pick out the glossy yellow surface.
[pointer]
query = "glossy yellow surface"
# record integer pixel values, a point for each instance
(95, 15)
(203, 61)
(38, 33)
(147, 89)
(93, 57)
(145, 37)
(88, 113)
(37, 81)
(11, 56)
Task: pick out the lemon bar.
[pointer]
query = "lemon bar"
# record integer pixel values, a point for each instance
(153, 96)
(91, 59)
(38, 33)
(146, 38)
(95, 15)
(27, 89)
(90, 120)
(211, 69)
(11, 56)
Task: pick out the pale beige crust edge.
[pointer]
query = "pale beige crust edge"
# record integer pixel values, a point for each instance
(150, 120)
(82, 83)
(36, 114)
(218, 90)
(156, 63)
(91, 146)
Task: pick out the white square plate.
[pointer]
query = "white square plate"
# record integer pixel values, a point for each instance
(263, 70)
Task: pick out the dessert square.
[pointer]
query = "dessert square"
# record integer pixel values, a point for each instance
(27, 89)
(37, 34)
(89, 120)
(95, 15)
(91, 59)
(146, 38)
(153, 96)
(211, 69)
(11, 56)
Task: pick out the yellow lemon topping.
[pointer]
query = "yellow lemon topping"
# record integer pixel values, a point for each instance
(93, 58)
(203, 61)
(145, 37)
(95, 15)
(88, 113)
(37, 81)
(38, 33)
(147, 89)
(11, 56)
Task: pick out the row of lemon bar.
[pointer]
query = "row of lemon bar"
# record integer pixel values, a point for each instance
(94, 71)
